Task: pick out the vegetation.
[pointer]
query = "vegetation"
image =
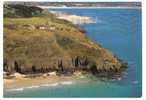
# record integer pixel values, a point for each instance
(42, 43)
(21, 11)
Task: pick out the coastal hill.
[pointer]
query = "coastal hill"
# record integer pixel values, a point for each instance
(36, 41)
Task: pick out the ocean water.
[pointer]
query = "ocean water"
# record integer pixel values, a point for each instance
(118, 30)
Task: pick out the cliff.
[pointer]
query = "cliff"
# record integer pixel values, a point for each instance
(39, 44)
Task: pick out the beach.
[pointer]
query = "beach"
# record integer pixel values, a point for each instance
(23, 81)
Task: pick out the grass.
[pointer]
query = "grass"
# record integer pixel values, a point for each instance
(45, 47)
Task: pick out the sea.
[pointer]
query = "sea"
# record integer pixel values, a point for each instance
(120, 31)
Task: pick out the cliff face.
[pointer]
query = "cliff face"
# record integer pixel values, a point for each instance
(43, 44)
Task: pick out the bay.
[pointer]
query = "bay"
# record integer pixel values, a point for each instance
(118, 30)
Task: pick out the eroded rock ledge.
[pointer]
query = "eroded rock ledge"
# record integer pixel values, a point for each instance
(82, 64)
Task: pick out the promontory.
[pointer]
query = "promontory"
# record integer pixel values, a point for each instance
(36, 41)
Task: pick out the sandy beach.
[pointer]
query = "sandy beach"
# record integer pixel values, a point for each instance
(21, 81)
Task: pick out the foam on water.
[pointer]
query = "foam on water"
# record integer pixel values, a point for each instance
(53, 84)
(82, 76)
(16, 89)
(30, 87)
(67, 82)
(42, 85)
(135, 82)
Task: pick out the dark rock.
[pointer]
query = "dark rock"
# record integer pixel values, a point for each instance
(77, 61)
(5, 66)
(93, 69)
(60, 65)
(67, 67)
(17, 67)
(34, 69)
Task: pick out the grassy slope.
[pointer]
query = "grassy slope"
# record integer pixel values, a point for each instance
(45, 47)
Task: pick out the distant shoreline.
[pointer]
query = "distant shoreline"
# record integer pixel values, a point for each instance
(75, 19)
(64, 7)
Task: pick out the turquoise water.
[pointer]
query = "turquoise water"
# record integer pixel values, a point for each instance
(118, 30)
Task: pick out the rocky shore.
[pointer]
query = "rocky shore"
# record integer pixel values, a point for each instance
(104, 69)
(44, 44)
(75, 19)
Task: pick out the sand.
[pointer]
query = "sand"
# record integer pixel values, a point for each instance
(20, 81)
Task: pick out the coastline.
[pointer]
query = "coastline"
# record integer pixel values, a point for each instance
(75, 19)
(108, 7)
(129, 85)
(20, 81)
(25, 81)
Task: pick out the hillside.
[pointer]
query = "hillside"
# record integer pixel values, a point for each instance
(39, 42)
